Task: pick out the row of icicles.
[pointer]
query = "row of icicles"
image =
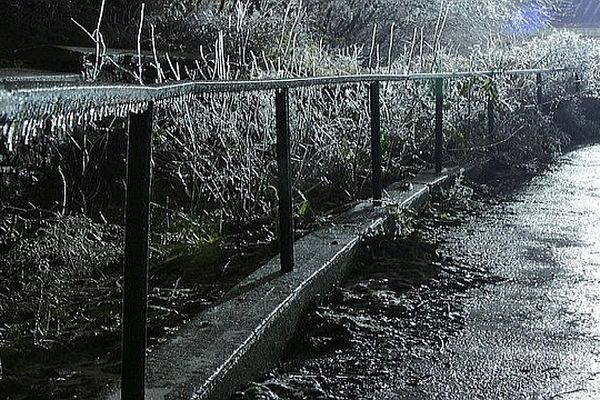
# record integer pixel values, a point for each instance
(51, 122)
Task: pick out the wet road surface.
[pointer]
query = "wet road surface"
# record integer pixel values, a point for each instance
(537, 334)
(503, 306)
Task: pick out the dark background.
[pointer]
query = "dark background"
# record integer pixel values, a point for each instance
(27, 23)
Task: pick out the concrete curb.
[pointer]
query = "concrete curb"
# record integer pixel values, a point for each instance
(248, 332)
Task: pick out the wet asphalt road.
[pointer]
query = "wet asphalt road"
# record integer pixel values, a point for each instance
(537, 334)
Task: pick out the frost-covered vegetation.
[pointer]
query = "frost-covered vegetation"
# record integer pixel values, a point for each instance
(330, 124)
(214, 157)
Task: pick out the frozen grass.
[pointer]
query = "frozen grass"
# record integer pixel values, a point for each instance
(214, 160)
(214, 200)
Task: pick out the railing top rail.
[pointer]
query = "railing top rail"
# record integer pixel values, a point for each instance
(29, 102)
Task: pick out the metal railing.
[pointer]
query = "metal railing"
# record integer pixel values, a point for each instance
(27, 103)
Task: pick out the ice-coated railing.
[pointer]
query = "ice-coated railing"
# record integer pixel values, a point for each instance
(31, 101)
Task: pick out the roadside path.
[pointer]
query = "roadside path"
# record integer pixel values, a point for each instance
(536, 335)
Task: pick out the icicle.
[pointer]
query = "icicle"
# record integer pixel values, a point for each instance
(10, 135)
(61, 124)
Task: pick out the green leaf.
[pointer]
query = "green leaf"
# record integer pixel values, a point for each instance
(304, 209)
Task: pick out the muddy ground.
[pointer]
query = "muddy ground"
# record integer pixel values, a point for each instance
(491, 295)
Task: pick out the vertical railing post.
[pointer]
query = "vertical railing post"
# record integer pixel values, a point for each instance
(491, 117)
(135, 274)
(286, 221)
(439, 123)
(540, 92)
(577, 83)
(491, 121)
(376, 171)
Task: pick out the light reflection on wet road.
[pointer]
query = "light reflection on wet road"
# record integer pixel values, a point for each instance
(536, 335)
